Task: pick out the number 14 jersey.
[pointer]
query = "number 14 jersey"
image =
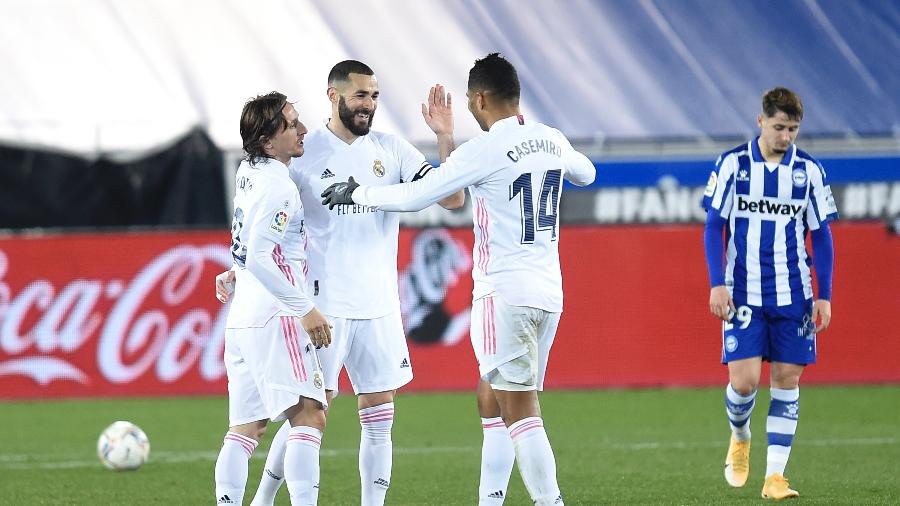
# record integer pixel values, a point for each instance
(514, 173)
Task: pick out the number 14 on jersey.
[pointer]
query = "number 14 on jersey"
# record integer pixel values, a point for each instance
(548, 203)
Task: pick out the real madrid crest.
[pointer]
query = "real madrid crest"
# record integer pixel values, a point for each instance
(378, 168)
(317, 380)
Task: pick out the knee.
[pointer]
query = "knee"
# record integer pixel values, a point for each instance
(744, 386)
(260, 432)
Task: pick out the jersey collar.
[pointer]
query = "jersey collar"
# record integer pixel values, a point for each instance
(517, 119)
(758, 157)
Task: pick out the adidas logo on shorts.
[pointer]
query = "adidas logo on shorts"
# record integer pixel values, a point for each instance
(327, 174)
(404, 363)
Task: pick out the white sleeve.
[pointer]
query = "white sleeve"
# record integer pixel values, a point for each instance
(413, 165)
(463, 168)
(821, 207)
(579, 170)
(264, 238)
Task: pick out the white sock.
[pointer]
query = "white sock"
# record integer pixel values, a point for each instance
(535, 459)
(497, 458)
(231, 468)
(301, 465)
(273, 473)
(375, 452)
(781, 425)
(738, 408)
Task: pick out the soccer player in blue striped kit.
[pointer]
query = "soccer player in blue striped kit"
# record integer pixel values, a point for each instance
(767, 194)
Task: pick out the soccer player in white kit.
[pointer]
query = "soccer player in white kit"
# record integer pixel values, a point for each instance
(352, 262)
(514, 173)
(271, 364)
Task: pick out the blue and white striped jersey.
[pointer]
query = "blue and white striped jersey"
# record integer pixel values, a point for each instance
(769, 209)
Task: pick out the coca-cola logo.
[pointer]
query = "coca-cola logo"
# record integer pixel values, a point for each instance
(148, 324)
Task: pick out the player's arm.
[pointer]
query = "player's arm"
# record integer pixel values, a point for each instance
(580, 170)
(717, 202)
(467, 165)
(264, 262)
(720, 302)
(820, 212)
(823, 261)
(438, 114)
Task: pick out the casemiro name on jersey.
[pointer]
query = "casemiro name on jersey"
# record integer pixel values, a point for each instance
(532, 146)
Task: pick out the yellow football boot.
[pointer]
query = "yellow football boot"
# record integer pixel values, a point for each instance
(737, 462)
(776, 487)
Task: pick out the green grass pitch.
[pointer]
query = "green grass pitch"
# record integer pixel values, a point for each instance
(612, 447)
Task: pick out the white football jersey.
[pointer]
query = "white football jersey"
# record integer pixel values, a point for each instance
(353, 249)
(514, 173)
(267, 246)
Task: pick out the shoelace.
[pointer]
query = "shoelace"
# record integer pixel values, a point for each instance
(740, 458)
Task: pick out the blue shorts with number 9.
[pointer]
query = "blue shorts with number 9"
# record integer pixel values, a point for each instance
(775, 333)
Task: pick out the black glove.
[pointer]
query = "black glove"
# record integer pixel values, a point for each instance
(339, 193)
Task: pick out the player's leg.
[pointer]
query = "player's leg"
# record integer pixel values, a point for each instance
(301, 455)
(376, 420)
(247, 422)
(291, 385)
(273, 472)
(377, 364)
(793, 347)
(512, 336)
(743, 346)
(497, 452)
(331, 360)
(781, 425)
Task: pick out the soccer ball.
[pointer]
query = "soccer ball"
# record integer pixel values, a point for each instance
(123, 446)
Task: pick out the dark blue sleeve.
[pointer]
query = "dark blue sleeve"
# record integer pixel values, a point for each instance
(715, 247)
(823, 258)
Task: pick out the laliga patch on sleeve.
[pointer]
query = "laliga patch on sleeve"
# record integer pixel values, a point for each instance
(710, 185)
(279, 222)
(830, 206)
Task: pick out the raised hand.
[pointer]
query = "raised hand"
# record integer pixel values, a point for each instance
(339, 193)
(438, 112)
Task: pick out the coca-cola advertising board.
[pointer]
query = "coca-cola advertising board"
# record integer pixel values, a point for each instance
(133, 314)
(111, 314)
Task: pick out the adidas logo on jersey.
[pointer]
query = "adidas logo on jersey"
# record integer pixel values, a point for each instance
(327, 174)
(496, 495)
(404, 363)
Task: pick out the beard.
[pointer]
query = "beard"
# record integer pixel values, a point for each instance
(348, 118)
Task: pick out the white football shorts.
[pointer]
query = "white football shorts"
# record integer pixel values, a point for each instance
(512, 343)
(269, 368)
(374, 352)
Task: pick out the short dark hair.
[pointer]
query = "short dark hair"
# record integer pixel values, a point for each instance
(342, 70)
(261, 119)
(784, 100)
(494, 74)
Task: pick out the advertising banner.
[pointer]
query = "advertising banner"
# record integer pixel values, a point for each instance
(135, 314)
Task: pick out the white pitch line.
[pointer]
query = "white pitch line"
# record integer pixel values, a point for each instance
(27, 462)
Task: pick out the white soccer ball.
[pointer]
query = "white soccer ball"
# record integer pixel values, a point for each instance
(123, 446)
